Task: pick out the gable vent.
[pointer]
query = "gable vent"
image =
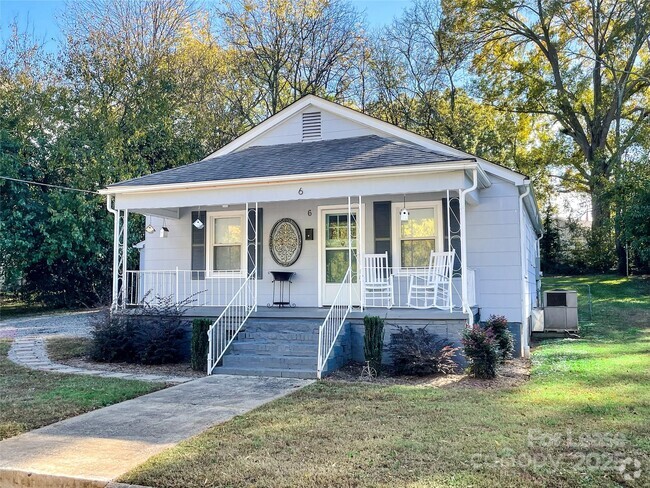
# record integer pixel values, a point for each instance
(311, 126)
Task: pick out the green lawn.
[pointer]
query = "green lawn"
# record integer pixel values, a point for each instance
(65, 348)
(335, 434)
(31, 399)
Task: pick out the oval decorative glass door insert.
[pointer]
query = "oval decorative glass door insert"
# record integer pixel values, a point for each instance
(285, 242)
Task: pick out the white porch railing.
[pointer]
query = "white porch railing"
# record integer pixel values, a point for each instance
(402, 282)
(329, 330)
(217, 291)
(224, 330)
(204, 291)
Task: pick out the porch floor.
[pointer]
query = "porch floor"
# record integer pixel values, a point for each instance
(264, 312)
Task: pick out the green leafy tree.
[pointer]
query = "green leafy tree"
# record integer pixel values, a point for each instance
(581, 64)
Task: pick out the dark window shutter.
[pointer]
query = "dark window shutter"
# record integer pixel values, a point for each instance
(382, 222)
(198, 246)
(251, 241)
(451, 223)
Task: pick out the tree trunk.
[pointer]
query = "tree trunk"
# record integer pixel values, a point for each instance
(602, 222)
(601, 207)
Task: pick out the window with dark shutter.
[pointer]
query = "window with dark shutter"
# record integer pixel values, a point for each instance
(382, 223)
(198, 246)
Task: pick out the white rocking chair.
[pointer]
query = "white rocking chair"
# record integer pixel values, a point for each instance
(377, 281)
(435, 289)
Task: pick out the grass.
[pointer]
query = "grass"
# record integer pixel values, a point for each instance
(30, 399)
(65, 348)
(586, 407)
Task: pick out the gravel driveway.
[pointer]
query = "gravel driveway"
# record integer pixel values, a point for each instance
(67, 323)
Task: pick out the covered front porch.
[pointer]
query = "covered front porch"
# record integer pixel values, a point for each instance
(203, 268)
(280, 249)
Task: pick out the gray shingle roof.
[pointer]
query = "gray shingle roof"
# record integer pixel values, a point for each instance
(366, 152)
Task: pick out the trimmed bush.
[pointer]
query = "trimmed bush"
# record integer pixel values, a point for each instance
(200, 343)
(151, 334)
(373, 341)
(417, 352)
(498, 324)
(482, 352)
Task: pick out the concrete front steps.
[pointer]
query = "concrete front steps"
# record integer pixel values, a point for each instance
(277, 347)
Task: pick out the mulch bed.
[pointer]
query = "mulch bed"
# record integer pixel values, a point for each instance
(511, 374)
(177, 369)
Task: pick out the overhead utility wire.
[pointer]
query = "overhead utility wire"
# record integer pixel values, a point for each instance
(48, 185)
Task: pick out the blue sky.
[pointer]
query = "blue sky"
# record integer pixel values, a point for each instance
(42, 15)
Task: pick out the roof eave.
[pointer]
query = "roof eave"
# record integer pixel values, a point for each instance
(333, 175)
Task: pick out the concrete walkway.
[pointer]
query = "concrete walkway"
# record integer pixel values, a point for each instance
(30, 352)
(94, 448)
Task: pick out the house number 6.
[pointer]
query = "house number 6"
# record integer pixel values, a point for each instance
(309, 212)
(300, 192)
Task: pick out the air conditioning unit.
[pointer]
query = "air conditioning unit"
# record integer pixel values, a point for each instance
(560, 311)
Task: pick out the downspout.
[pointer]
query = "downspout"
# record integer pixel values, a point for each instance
(523, 329)
(538, 278)
(116, 215)
(463, 247)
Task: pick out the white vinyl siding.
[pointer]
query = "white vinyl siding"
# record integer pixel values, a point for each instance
(492, 243)
(493, 250)
(331, 127)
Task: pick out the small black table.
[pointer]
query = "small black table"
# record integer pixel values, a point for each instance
(283, 278)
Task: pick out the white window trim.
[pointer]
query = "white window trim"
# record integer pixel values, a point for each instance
(210, 216)
(396, 238)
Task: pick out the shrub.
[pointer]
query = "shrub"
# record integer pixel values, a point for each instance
(112, 338)
(150, 334)
(482, 352)
(159, 339)
(373, 341)
(416, 352)
(200, 344)
(498, 324)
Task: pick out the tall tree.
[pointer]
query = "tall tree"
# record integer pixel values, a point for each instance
(582, 63)
(423, 82)
(293, 48)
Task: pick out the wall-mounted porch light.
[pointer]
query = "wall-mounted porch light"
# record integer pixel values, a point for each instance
(404, 214)
(164, 231)
(198, 223)
(149, 229)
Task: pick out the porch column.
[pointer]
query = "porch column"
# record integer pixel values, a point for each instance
(463, 247)
(257, 229)
(350, 249)
(360, 251)
(120, 247)
(125, 248)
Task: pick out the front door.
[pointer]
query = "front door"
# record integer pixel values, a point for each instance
(334, 255)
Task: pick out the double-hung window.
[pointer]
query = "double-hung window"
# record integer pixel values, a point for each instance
(227, 235)
(419, 235)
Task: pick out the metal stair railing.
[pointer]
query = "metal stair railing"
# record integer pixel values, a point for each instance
(329, 330)
(224, 330)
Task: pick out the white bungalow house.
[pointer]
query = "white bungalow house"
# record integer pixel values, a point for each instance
(320, 215)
